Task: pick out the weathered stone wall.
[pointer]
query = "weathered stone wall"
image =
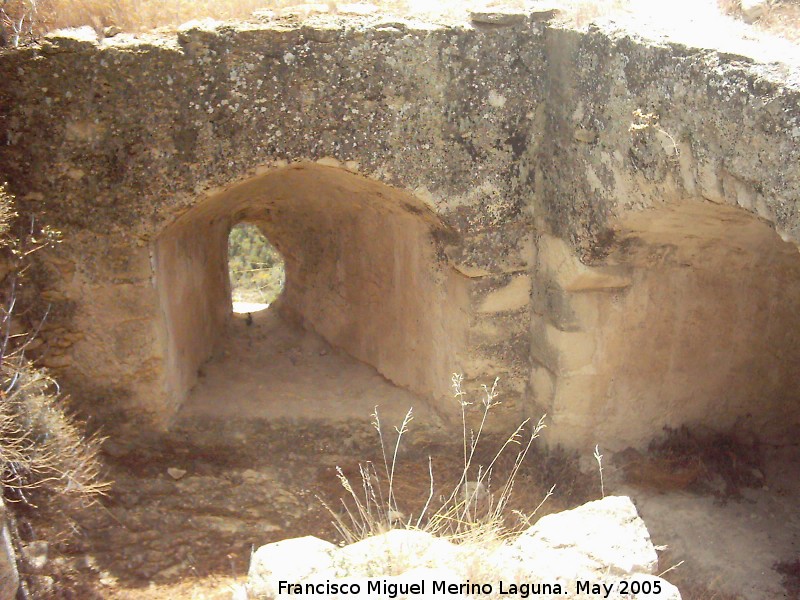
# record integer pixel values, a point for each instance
(710, 127)
(447, 198)
(667, 170)
(113, 142)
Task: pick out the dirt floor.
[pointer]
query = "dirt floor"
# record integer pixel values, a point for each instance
(726, 510)
(248, 462)
(277, 410)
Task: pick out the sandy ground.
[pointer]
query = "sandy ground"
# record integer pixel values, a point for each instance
(731, 546)
(268, 370)
(249, 461)
(242, 308)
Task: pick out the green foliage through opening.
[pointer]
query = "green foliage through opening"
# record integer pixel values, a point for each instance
(256, 268)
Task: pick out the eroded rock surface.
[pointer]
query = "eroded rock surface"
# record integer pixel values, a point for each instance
(608, 224)
(603, 542)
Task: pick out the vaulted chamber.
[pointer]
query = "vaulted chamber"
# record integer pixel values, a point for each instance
(692, 317)
(363, 269)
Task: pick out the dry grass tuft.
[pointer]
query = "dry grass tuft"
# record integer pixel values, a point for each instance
(33, 18)
(43, 452)
(783, 19)
(44, 455)
(726, 462)
(779, 17)
(699, 459)
(143, 15)
(47, 464)
(473, 511)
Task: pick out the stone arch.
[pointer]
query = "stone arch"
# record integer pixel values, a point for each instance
(693, 317)
(365, 269)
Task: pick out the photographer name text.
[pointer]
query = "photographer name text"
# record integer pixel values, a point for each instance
(393, 589)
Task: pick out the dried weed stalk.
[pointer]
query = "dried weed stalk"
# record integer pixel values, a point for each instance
(43, 452)
(473, 511)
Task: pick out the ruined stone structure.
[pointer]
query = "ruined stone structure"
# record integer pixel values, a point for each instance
(609, 225)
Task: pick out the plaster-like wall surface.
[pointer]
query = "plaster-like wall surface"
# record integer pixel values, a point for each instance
(362, 269)
(190, 268)
(447, 199)
(691, 319)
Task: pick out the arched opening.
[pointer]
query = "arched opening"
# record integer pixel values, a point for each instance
(693, 318)
(255, 268)
(709, 332)
(365, 271)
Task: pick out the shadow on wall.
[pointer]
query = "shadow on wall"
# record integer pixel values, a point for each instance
(693, 318)
(363, 269)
